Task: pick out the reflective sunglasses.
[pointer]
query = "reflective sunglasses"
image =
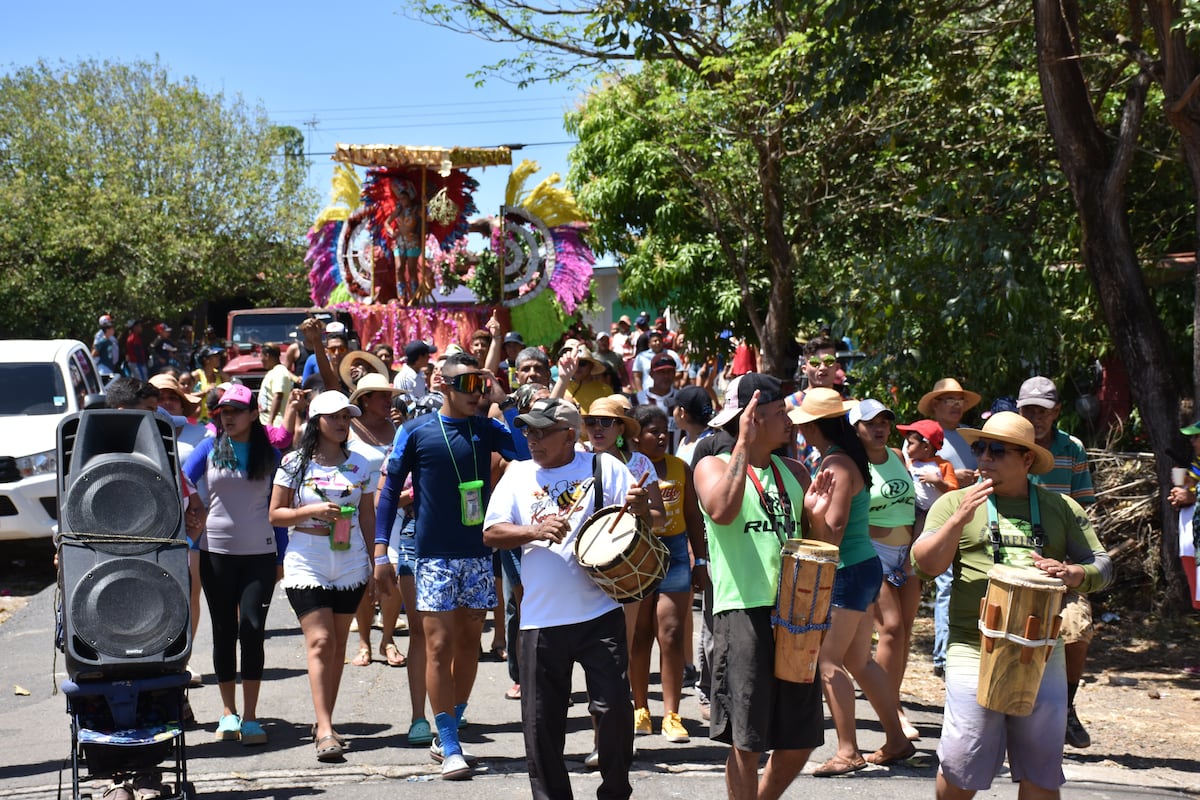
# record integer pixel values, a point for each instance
(602, 422)
(818, 361)
(468, 382)
(538, 434)
(995, 449)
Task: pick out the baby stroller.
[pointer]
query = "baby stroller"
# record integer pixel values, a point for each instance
(124, 730)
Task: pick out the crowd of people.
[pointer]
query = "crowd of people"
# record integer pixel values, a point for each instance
(456, 483)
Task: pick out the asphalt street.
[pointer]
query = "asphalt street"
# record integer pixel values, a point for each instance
(373, 712)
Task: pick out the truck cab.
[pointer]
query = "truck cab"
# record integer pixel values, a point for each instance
(249, 329)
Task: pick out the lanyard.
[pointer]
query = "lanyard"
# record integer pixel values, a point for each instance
(789, 525)
(453, 460)
(1039, 533)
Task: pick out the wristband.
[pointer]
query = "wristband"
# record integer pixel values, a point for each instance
(701, 562)
(380, 560)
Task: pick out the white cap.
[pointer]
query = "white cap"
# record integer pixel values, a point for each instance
(332, 402)
(868, 410)
(335, 328)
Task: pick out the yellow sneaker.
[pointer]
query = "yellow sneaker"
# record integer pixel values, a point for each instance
(641, 722)
(673, 730)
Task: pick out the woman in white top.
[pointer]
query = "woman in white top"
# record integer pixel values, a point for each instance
(323, 492)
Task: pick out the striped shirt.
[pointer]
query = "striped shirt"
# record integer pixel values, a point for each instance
(1070, 475)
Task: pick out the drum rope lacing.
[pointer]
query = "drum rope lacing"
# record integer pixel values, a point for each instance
(787, 624)
(1012, 637)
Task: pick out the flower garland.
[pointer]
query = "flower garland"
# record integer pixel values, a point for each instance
(397, 325)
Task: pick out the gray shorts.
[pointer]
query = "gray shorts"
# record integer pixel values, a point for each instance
(975, 739)
(752, 709)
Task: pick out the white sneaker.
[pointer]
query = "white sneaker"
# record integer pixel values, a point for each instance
(435, 750)
(456, 768)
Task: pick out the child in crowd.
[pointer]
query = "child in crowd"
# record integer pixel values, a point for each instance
(932, 475)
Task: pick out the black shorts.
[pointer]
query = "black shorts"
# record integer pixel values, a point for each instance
(312, 598)
(752, 709)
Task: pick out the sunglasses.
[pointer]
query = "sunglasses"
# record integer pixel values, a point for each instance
(819, 361)
(336, 348)
(601, 422)
(538, 434)
(467, 382)
(995, 449)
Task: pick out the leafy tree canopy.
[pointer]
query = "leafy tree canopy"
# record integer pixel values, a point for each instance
(124, 190)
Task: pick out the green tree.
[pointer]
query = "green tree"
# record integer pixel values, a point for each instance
(126, 190)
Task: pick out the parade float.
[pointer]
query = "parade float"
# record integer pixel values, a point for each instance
(396, 250)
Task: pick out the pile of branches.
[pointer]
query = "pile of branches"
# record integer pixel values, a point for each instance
(1127, 519)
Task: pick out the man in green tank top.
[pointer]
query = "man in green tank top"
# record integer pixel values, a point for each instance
(753, 501)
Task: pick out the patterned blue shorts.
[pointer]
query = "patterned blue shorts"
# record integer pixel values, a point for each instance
(446, 584)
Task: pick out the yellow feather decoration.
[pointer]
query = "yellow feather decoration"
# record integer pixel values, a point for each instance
(344, 196)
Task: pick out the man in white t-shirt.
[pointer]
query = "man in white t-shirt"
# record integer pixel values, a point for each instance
(276, 386)
(565, 617)
(411, 378)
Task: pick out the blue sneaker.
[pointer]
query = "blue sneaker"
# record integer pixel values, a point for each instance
(229, 729)
(253, 733)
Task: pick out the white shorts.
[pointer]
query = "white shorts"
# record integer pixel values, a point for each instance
(310, 563)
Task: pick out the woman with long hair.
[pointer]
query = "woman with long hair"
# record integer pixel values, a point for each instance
(323, 492)
(662, 615)
(239, 555)
(846, 650)
(891, 525)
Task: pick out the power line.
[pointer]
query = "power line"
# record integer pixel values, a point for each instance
(464, 124)
(458, 104)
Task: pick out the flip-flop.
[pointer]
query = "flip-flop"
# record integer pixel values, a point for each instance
(363, 659)
(393, 655)
(882, 759)
(329, 748)
(839, 766)
(514, 692)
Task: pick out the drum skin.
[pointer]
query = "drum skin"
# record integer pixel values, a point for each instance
(627, 562)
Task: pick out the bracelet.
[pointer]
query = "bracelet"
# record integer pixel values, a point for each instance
(380, 560)
(701, 562)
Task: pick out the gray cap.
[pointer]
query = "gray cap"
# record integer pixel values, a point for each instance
(550, 412)
(868, 410)
(1038, 391)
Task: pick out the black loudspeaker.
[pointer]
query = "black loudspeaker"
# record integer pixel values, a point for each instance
(123, 557)
(124, 616)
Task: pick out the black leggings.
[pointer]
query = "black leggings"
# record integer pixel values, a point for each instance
(238, 590)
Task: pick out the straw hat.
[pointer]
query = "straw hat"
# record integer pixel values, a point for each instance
(616, 406)
(369, 360)
(372, 382)
(583, 353)
(946, 386)
(819, 404)
(1010, 428)
(167, 382)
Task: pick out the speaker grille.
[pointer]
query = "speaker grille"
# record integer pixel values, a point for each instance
(129, 609)
(122, 494)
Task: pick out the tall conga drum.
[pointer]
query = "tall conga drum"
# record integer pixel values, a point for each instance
(1018, 625)
(802, 607)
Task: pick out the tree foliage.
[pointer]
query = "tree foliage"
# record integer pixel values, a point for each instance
(124, 190)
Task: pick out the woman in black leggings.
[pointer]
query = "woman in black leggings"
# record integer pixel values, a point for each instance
(239, 555)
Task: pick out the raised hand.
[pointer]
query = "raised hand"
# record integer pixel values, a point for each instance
(820, 493)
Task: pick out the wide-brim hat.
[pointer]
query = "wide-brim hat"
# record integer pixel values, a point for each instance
(583, 353)
(1010, 428)
(359, 356)
(820, 403)
(166, 382)
(618, 407)
(946, 386)
(372, 382)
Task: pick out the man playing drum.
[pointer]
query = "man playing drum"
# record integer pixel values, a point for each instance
(541, 507)
(752, 501)
(1004, 519)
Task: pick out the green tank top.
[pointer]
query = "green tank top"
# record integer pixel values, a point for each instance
(855, 546)
(744, 555)
(893, 502)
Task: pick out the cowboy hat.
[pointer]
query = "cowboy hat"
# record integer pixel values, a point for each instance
(946, 386)
(616, 406)
(372, 382)
(166, 382)
(819, 403)
(356, 356)
(1010, 428)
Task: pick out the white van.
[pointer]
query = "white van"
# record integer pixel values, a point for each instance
(40, 383)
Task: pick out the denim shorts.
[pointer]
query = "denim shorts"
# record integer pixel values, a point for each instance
(447, 584)
(856, 586)
(402, 549)
(679, 567)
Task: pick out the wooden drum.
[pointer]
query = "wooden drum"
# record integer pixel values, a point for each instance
(629, 563)
(1018, 624)
(802, 607)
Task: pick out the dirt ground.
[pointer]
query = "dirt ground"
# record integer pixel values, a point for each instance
(1155, 722)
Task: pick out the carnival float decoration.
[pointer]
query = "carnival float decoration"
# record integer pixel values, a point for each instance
(388, 247)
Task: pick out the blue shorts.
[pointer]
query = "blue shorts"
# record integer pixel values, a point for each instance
(856, 586)
(679, 567)
(448, 584)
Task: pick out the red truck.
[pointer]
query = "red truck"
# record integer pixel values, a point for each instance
(249, 329)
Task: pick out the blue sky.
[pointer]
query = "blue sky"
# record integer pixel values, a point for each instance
(359, 72)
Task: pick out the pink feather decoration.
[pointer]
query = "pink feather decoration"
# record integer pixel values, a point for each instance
(323, 275)
(572, 277)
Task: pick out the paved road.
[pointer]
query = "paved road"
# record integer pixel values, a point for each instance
(373, 713)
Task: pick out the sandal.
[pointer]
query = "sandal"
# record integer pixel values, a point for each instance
(880, 758)
(839, 766)
(393, 656)
(363, 659)
(514, 692)
(329, 748)
(419, 733)
(340, 739)
(499, 652)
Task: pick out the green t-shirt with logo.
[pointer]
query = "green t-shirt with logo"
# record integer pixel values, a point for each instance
(744, 555)
(1068, 537)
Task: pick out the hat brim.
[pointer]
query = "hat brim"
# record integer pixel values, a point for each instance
(799, 416)
(357, 393)
(353, 357)
(1043, 459)
(534, 421)
(1191, 430)
(633, 428)
(925, 404)
(1041, 402)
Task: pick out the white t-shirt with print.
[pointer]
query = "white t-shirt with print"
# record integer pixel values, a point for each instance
(557, 590)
